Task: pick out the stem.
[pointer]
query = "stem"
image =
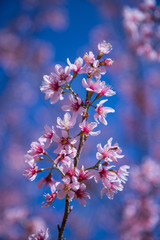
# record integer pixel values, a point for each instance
(64, 221)
(81, 143)
(74, 75)
(82, 138)
(45, 160)
(56, 166)
(69, 87)
(95, 166)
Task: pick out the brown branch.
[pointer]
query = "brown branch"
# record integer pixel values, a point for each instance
(64, 221)
(81, 143)
(82, 138)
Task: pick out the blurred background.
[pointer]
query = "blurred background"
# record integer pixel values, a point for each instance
(34, 36)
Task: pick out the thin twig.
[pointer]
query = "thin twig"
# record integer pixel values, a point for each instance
(82, 138)
(64, 221)
(81, 143)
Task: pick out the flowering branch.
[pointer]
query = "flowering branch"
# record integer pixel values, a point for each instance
(71, 184)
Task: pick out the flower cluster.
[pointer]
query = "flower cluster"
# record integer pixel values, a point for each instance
(72, 183)
(141, 213)
(142, 25)
(40, 235)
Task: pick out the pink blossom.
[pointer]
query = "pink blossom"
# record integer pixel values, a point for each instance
(141, 24)
(95, 70)
(133, 15)
(140, 216)
(51, 86)
(150, 170)
(77, 66)
(89, 58)
(47, 137)
(146, 177)
(81, 194)
(101, 112)
(72, 152)
(63, 74)
(104, 47)
(111, 188)
(84, 174)
(50, 198)
(109, 153)
(105, 174)
(67, 188)
(91, 85)
(66, 144)
(31, 172)
(87, 128)
(30, 159)
(69, 169)
(64, 159)
(46, 181)
(41, 235)
(75, 106)
(122, 173)
(149, 4)
(67, 123)
(106, 90)
(36, 149)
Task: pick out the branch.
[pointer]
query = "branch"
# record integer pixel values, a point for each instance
(82, 138)
(64, 221)
(81, 143)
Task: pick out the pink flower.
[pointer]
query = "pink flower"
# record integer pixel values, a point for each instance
(106, 90)
(77, 66)
(67, 123)
(105, 174)
(46, 181)
(75, 106)
(49, 199)
(52, 88)
(87, 128)
(68, 188)
(133, 15)
(111, 188)
(69, 169)
(63, 74)
(101, 112)
(149, 4)
(109, 153)
(89, 58)
(81, 194)
(104, 47)
(84, 174)
(64, 159)
(66, 144)
(30, 159)
(47, 137)
(95, 70)
(41, 235)
(36, 149)
(31, 172)
(122, 173)
(91, 85)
